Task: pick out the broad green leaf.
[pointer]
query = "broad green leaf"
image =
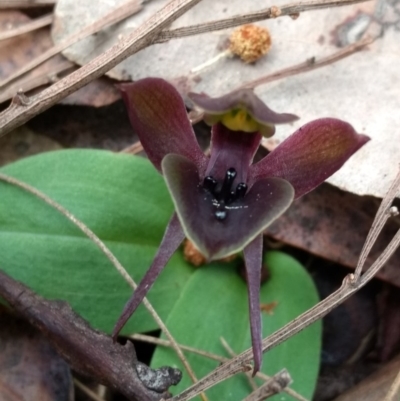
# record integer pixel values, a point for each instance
(213, 303)
(122, 199)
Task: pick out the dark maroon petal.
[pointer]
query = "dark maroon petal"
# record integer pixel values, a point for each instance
(173, 237)
(241, 98)
(311, 155)
(246, 217)
(158, 115)
(231, 149)
(253, 260)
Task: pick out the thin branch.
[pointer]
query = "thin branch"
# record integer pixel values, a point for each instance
(310, 65)
(165, 343)
(394, 390)
(273, 386)
(26, 3)
(349, 287)
(91, 394)
(48, 75)
(110, 256)
(294, 394)
(215, 357)
(141, 37)
(383, 214)
(268, 13)
(27, 27)
(116, 15)
(88, 351)
(232, 354)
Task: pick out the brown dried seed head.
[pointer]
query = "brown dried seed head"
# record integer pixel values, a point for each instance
(250, 42)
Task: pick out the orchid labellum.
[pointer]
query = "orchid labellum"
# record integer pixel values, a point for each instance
(224, 202)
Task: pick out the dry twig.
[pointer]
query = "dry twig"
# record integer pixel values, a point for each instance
(232, 354)
(273, 386)
(27, 27)
(383, 214)
(310, 65)
(241, 19)
(49, 74)
(165, 343)
(26, 3)
(88, 351)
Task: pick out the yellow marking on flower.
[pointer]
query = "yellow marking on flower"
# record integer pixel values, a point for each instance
(240, 120)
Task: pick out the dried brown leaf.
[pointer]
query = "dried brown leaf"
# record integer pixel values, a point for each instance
(333, 224)
(98, 93)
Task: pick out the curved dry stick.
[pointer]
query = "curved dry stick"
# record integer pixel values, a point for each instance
(88, 351)
(26, 3)
(272, 12)
(27, 27)
(309, 65)
(380, 219)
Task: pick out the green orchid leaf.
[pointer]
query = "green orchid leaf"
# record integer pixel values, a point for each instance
(122, 199)
(213, 303)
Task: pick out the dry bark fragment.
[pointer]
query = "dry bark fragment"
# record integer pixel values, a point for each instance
(88, 351)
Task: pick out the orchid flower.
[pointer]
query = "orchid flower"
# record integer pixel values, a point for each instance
(224, 202)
